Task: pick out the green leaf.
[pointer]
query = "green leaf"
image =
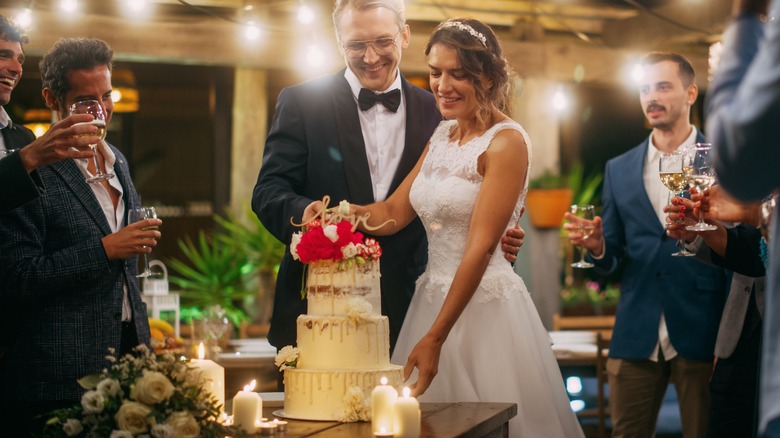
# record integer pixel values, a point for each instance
(90, 382)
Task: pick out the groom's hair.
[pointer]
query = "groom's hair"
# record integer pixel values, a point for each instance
(687, 74)
(396, 6)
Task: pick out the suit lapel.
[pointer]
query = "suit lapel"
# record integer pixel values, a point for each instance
(74, 180)
(353, 148)
(414, 143)
(637, 180)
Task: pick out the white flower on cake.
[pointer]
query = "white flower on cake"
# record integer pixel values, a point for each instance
(287, 358)
(358, 308)
(331, 232)
(296, 239)
(343, 208)
(349, 251)
(355, 406)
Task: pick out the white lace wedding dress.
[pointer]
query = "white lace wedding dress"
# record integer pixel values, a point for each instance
(498, 350)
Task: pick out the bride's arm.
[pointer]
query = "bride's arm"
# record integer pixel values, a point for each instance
(395, 212)
(505, 167)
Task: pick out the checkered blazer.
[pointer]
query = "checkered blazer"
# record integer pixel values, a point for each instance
(61, 297)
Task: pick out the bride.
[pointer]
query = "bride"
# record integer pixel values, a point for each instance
(472, 332)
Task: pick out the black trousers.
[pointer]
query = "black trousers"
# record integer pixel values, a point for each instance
(734, 384)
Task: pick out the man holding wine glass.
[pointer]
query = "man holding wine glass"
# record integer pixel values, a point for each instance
(670, 307)
(68, 260)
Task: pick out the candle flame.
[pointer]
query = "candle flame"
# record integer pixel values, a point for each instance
(383, 430)
(383, 380)
(407, 392)
(251, 386)
(201, 351)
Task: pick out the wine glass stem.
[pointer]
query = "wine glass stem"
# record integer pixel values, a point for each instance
(95, 159)
(582, 254)
(147, 271)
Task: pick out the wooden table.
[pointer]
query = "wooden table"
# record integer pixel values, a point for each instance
(439, 420)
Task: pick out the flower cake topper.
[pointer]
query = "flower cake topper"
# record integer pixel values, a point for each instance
(332, 235)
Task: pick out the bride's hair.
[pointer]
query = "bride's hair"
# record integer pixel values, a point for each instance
(481, 58)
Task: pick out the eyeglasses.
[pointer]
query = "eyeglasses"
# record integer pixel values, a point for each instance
(381, 46)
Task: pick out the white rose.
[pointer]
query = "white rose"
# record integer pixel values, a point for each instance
(162, 431)
(131, 417)
(72, 427)
(121, 434)
(92, 402)
(349, 251)
(296, 239)
(331, 232)
(109, 387)
(344, 208)
(152, 388)
(287, 356)
(184, 425)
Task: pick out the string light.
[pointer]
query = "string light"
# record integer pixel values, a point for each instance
(69, 5)
(560, 102)
(314, 56)
(251, 31)
(305, 14)
(24, 18)
(136, 5)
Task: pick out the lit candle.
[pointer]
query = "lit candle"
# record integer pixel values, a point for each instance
(247, 408)
(213, 375)
(382, 412)
(383, 433)
(267, 428)
(407, 416)
(281, 424)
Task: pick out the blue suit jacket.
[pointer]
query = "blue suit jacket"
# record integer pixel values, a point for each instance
(314, 148)
(689, 293)
(61, 296)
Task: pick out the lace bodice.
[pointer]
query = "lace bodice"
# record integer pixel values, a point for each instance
(444, 194)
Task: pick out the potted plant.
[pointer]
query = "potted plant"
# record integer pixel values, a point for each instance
(551, 195)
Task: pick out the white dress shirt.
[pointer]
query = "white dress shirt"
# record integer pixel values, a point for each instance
(384, 134)
(114, 217)
(659, 195)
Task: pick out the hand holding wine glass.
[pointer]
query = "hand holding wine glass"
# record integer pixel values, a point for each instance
(94, 108)
(700, 172)
(139, 214)
(582, 228)
(670, 170)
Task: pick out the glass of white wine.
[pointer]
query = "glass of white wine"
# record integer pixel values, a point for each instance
(583, 212)
(139, 214)
(94, 108)
(700, 173)
(670, 170)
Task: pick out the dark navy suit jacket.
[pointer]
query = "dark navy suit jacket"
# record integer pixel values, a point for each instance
(690, 294)
(16, 185)
(315, 147)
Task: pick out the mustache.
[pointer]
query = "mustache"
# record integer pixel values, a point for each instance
(655, 107)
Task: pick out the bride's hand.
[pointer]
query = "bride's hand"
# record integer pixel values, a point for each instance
(425, 357)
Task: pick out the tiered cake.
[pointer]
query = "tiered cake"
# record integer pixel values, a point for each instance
(343, 340)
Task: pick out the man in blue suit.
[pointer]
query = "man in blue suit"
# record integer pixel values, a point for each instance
(68, 259)
(670, 307)
(330, 137)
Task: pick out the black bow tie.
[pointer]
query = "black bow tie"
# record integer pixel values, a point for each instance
(391, 99)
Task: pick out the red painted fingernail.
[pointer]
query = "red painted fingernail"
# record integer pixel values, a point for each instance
(682, 208)
(682, 215)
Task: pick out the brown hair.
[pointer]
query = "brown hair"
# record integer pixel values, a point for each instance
(687, 74)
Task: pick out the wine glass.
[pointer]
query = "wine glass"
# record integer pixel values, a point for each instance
(139, 214)
(670, 170)
(584, 212)
(94, 108)
(700, 173)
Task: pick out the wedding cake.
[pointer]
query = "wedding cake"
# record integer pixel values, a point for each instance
(343, 340)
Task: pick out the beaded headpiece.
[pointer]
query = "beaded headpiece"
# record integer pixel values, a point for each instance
(465, 27)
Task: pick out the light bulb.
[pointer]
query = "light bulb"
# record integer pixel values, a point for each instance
(305, 14)
(69, 5)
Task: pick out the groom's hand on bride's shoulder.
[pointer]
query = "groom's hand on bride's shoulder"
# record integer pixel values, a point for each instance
(512, 242)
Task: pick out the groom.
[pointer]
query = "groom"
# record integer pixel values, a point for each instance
(353, 135)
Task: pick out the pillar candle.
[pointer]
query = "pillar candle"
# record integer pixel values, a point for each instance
(247, 409)
(213, 376)
(382, 406)
(407, 416)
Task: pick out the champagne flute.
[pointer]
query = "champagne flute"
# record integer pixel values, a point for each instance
(700, 173)
(584, 212)
(671, 172)
(94, 108)
(139, 214)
